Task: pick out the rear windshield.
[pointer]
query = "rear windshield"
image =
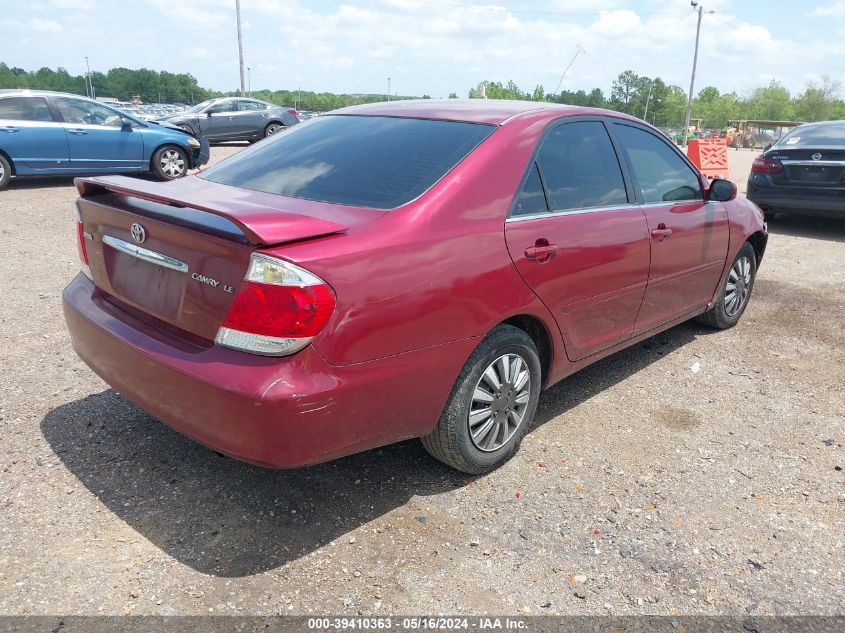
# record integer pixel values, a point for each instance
(364, 161)
(815, 135)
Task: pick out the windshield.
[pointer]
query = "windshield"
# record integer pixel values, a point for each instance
(364, 161)
(200, 106)
(819, 135)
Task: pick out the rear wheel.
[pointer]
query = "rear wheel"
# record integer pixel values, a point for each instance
(273, 128)
(5, 172)
(170, 162)
(733, 298)
(491, 405)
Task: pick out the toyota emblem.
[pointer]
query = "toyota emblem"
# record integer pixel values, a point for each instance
(138, 233)
(816, 156)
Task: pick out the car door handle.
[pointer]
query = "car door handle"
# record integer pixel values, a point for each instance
(78, 131)
(11, 129)
(541, 252)
(661, 232)
(231, 118)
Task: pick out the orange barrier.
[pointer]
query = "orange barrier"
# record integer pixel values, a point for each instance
(710, 156)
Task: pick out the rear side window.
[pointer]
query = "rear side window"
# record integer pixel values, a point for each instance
(366, 161)
(663, 175)
(531, 199)
(251, 105)
(25, 109)
(579, 167)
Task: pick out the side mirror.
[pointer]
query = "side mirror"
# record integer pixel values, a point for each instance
(208, 113)
(721, 190)
(125, 123)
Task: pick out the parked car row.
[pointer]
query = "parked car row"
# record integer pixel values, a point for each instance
(51, 133)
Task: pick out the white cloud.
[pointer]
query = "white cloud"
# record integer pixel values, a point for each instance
(834, 10)
(44, 26)
(76, 5)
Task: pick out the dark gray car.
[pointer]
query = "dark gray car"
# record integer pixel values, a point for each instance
(234, 119)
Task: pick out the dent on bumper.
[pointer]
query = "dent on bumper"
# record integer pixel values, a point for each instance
(279, 412)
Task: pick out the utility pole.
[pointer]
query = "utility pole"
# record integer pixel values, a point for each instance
(700, 10)
(88, 83)
(240, 46)
(249, 80)
(388, 88)
(578, 51)
(647, 101)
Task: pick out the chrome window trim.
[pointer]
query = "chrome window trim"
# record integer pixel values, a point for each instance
(145, 254)
(618, 207)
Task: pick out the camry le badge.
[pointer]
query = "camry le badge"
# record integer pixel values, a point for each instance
(138, 233)
(816, 156)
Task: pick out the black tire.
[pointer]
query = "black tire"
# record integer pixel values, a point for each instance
(769, 215)
(273, 127)
(721, 315)
(451, 442)
(5, 172)
(171, 155)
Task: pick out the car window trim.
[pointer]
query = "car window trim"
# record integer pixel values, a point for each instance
(630, 190)
(580, 211)
(660, 137)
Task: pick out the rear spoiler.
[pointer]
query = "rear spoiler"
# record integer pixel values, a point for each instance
(262, 224)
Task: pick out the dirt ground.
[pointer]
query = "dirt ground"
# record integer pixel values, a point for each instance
(696, 473)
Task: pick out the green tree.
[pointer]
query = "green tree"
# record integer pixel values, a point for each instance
(818, 102)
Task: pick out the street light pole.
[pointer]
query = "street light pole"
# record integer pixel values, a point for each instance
(647, 101)
(388, 88)
(700, 10)
(88, 84)
(240, 45)
(249, 80)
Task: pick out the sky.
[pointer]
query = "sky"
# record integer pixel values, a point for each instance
(434, 47)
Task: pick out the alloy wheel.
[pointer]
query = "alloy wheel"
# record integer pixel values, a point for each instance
(172, 163)
(499, 402)
(738, 286)
(273, 128)
(2, 172)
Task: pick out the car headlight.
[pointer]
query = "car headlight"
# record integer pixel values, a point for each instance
(192, 142)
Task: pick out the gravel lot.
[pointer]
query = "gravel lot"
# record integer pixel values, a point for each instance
(647, 486)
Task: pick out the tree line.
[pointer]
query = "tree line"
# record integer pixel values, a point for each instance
(651, 98)
(665, 105)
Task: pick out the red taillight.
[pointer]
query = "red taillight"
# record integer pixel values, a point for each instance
(763, 165)
(293, 112)
(279, 308)
(81, 246)
(280, 311)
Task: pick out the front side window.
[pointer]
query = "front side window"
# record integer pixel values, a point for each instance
(223, 106)
(579, 167)
(663, 176)
(25, 109)
(251, 105)
(82, 112)
(365, 161)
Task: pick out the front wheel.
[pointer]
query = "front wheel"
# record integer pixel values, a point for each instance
(170, 162)
(5, 172)
(736, 291)
(491, 405)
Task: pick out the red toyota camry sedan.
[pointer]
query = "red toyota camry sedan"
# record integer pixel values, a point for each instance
(399, 270)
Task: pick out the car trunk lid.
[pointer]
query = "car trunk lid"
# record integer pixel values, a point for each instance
(810, 166)
(178, 254)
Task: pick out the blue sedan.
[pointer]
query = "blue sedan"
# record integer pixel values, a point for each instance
(52, 134)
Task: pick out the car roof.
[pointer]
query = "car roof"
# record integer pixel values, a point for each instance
(26, 92)
(489, 111)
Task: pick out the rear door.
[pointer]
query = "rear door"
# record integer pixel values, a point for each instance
(30, 135)
(97, 141)
(578, 240)
(689, 236)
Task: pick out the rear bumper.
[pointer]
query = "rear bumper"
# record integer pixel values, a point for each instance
(278, 412)
(815, 201)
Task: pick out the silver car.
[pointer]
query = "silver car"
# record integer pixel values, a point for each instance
(234, 119)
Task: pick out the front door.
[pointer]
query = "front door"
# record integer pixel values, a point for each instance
(577, 241)
(96, 137)
(689, 236)
(30, 136)
(218, 121)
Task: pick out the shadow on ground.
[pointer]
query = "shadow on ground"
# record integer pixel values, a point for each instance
(226, 518)
(831, 229)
